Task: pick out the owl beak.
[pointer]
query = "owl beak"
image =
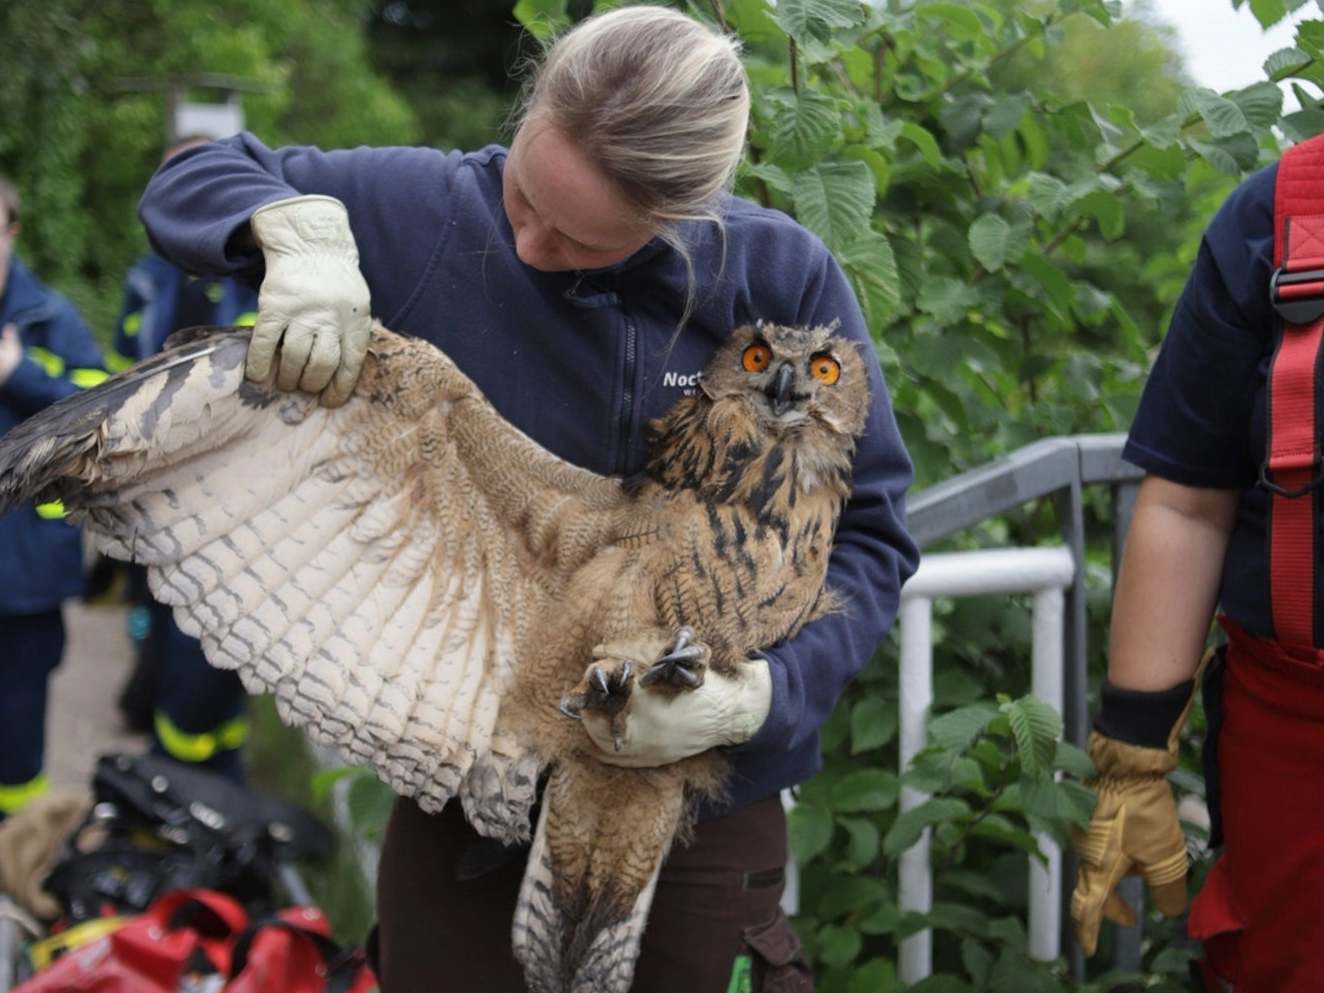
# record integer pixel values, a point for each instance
(778, 390)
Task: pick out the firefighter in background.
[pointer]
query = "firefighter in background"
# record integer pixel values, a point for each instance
(195, 713)
(46, 353)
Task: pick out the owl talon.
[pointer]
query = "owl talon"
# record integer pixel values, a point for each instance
(682, 666)
(604, 689)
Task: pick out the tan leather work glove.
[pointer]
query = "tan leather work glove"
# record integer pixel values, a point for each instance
(314, 303)
(1134, 829)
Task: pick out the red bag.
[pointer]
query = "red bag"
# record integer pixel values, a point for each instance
(293, 953)
(201, 941)
(181, 939)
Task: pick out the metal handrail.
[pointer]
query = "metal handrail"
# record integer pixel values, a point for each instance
(1059, 468)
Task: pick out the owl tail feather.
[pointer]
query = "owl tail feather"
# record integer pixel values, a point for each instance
(588, 887)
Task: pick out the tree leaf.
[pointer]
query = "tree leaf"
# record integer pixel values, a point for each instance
(1036, 728)
(815, 20)
(1285, 62)
(1304, 124)
(809, 828)
(835, 200)
(1268, 12)
(941, 984)
(774, 176)
(865, 840)
(1054, 281)
(542, 18)
(1261, 103)
(838, 945)
(871, 264)
(873, 723)
(978, 961)
(807, 126)
(1073, 761)
(946, 298)
(369, 802)
(957, 729)
(907, 828)
(852, 895)
(1048, 195)
(924, 141)
(865, 789)
(990, 241)
(875, 976)
(1106, 209)
(1222, 115)
(751, 20)
(958, 21)
(1005, 115)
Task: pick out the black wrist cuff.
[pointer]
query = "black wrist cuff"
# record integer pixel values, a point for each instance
(1141, 717)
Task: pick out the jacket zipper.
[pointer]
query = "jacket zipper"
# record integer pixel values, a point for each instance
(627, 400)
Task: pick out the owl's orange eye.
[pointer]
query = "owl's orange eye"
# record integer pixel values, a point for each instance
(825, 369)
(756, 357)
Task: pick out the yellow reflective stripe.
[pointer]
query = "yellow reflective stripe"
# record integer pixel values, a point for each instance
(48, 360)
(232, 734)
(247, 319)
(133, 323)
(42, 953)
(14, 797)
(199, 747)
(116, 362)
(85, 379)
(52, 511)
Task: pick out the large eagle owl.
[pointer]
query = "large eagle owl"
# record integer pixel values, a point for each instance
(423, 587)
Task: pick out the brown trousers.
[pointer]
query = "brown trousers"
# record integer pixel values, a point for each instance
(716, 916)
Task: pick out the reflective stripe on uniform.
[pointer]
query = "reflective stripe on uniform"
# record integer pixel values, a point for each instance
(116, 362)
(52, 511)
(133, 323)
(85, 379)
(48, 360)
(200, 747)
(54, 366)
(247, 319)
(14, 797)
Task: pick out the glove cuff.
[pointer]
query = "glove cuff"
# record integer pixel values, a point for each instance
(745, 704)
(304, 225)
(1142, 717)
(1117, 760)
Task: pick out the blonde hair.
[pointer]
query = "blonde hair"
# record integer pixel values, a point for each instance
(659, 102)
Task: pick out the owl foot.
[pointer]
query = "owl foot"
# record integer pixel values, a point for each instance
(681, 666)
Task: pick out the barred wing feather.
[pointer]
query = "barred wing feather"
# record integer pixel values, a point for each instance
(373, 566)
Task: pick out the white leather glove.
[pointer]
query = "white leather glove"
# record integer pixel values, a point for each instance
(314, 303)
(664, 726)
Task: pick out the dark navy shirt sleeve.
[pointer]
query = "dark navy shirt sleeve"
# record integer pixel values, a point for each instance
(199, 200)
(1197, 415)
(872, 556)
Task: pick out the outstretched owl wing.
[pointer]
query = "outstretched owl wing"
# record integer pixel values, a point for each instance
(375, 566)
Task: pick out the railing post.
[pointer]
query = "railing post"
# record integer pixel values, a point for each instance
(915, 890)
(1048, 686)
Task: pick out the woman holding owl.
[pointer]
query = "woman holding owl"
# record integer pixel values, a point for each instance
(579, 277)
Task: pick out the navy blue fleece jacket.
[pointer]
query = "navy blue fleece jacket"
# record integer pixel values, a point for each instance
(580, 361)
(41, 560)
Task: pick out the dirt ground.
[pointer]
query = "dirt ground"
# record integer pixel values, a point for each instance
(82, 721)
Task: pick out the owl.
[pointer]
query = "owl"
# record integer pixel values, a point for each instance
(421, 586)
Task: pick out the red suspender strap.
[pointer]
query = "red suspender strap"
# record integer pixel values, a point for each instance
(1292, 470)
